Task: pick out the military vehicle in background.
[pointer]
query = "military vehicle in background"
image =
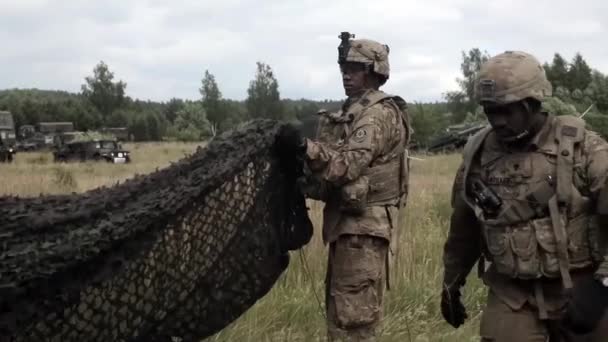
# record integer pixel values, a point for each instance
(89, 146)
(7, 137)
(28, 139)
(51, 129)
(7, 128)
(42, 136)
(455, 137)
(121, 133)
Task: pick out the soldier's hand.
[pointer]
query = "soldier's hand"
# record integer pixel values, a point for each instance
(586, 306)
(452, 309)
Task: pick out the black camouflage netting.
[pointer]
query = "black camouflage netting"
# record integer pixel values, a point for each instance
(181, 252)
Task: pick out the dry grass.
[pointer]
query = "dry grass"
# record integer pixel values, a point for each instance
(293, 310)
(34, 173)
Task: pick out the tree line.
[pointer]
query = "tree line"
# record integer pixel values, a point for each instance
(577, 88)
(103, 102)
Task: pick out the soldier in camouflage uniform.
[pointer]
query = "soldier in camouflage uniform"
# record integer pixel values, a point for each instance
(525, 199)
(358, 166)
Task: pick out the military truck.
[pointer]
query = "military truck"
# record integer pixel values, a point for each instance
(85, 146)
(121, 133)
(41, 136)
(51, 129)
(7, 137)
(7, 128)
(28, 139)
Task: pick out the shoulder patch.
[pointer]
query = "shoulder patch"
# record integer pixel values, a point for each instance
(360, 135)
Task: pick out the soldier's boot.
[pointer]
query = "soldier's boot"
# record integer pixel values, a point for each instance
(355, 287)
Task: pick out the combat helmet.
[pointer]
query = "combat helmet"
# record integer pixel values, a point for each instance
(510, 77)
(365, 51)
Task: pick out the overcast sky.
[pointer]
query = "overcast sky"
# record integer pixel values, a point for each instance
(162, 48)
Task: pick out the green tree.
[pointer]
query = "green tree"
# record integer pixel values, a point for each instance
(579, 74)
(597, 91)
(212, 102)
(556, 106)
(153, 127)
(118, 118)
(557, 71)
(100, 89)
(263, 100)
(427, 120)
(236, 112)
(138, 128)
(191, 123)
(171, 109)
(463, 101)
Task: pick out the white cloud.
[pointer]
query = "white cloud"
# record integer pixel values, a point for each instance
(161, 49)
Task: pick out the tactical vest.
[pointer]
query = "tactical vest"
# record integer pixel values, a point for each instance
(385, 181)
(542, 227)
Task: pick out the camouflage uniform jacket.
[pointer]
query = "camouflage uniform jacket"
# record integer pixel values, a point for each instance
(511, 175)
(358, 166)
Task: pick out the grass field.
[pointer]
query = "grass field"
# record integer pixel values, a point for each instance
(293, 310)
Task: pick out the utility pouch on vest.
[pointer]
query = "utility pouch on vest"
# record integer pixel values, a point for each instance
(549, 261)
(501, 255)
(526, 251)
(385, 183)
(354, 195)
(524, 246)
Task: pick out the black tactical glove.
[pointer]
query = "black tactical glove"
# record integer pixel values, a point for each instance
(452, 309)
(290, 141)
(586, 307)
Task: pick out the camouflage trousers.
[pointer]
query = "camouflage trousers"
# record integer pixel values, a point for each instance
(354, 287)
(500, 323)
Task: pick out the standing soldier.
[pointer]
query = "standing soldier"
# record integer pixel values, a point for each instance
(528, 200)
(358, 166)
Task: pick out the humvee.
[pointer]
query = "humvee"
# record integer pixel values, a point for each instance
(95, 150)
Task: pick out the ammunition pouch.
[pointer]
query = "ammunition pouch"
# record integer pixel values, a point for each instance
(354, 195)
(531, 251)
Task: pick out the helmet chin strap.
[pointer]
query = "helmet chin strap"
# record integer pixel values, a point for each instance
(525, 133)
(516, 138)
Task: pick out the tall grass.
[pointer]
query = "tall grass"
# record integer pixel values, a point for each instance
(34, 173)
(294, 308)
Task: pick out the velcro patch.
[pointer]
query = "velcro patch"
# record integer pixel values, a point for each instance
(569, 131)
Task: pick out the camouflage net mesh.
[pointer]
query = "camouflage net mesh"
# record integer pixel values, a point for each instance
(181, 252)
